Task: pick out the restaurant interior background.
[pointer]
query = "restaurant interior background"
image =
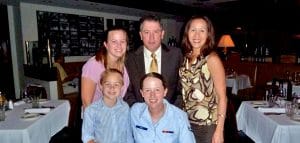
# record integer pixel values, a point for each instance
(255, 26)
(266, 36)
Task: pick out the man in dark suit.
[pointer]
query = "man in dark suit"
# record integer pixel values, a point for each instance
(168, 61)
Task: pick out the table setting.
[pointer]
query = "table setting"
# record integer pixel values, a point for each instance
(267, 122)
(29, 123)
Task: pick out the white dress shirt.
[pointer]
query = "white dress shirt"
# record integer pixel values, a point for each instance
(148, 59)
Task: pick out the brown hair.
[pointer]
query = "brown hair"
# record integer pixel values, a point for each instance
(208, 47)
(154, 75)
(154, 18)
(101, 54)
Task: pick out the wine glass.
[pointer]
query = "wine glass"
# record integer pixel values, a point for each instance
(271, 98)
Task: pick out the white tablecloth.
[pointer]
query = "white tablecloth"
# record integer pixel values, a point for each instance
(238, 82)
(70, 87)
(267, 128)
(17, 130)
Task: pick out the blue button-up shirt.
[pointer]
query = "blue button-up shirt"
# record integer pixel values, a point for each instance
(107, 124)
(173, 127)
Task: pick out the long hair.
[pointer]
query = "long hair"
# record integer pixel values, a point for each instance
(101, 54)
(208, 47)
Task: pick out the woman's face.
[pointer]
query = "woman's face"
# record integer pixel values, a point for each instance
(116, 44)
(197, 34)
(153, 92)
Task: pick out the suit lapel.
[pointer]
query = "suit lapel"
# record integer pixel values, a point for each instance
(139, 59)
(164, 60)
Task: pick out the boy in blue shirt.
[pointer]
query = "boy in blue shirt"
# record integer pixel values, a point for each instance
(107, 120)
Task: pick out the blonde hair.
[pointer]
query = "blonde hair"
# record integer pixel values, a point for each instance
(107, 72)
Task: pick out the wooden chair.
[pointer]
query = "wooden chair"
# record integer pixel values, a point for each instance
(276, 87)
(36, 90)
(249, 93)
(74, 99)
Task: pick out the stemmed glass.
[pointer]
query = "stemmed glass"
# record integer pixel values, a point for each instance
(271, 98)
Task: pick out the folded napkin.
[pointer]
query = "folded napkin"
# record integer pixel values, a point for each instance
(271, 110)
(18, 103)
(37, 110)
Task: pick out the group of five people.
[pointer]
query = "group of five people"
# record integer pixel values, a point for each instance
(193, 80)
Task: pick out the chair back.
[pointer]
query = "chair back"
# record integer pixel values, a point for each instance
(279, 89)
(36, 90)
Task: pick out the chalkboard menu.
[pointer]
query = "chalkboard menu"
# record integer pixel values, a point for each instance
(69, 34)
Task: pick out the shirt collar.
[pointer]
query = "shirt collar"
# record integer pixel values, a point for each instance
(146, 114)
(148, 53)
(103, 105)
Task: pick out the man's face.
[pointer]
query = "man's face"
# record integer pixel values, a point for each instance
(151, 34)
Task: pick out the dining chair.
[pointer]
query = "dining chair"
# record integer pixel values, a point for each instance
(74, 99)
(278, 89)
(35, 90)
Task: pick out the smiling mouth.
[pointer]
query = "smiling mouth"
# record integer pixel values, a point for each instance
(152, 100)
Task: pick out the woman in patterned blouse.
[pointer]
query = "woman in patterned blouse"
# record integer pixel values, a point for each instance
(203, 81)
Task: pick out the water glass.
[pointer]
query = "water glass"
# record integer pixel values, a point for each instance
(35, 102)
(291, 109)
(271, 99)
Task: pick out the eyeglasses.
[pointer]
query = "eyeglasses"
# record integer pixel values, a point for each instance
(112, 84)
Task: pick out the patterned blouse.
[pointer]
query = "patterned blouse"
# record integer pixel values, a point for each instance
(198, 91)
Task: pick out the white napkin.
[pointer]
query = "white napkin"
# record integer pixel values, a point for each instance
(21, 102)
(271, 110)
(37, 110)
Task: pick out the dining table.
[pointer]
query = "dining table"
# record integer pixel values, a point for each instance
(17, 128)
(238, 82)
(264, 124)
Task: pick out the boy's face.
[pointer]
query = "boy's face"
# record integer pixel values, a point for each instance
(111, 86)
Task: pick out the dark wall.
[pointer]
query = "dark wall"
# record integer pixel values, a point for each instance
(6, 73)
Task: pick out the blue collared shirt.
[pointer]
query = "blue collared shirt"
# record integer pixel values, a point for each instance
(107, 124)
(173, 127)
